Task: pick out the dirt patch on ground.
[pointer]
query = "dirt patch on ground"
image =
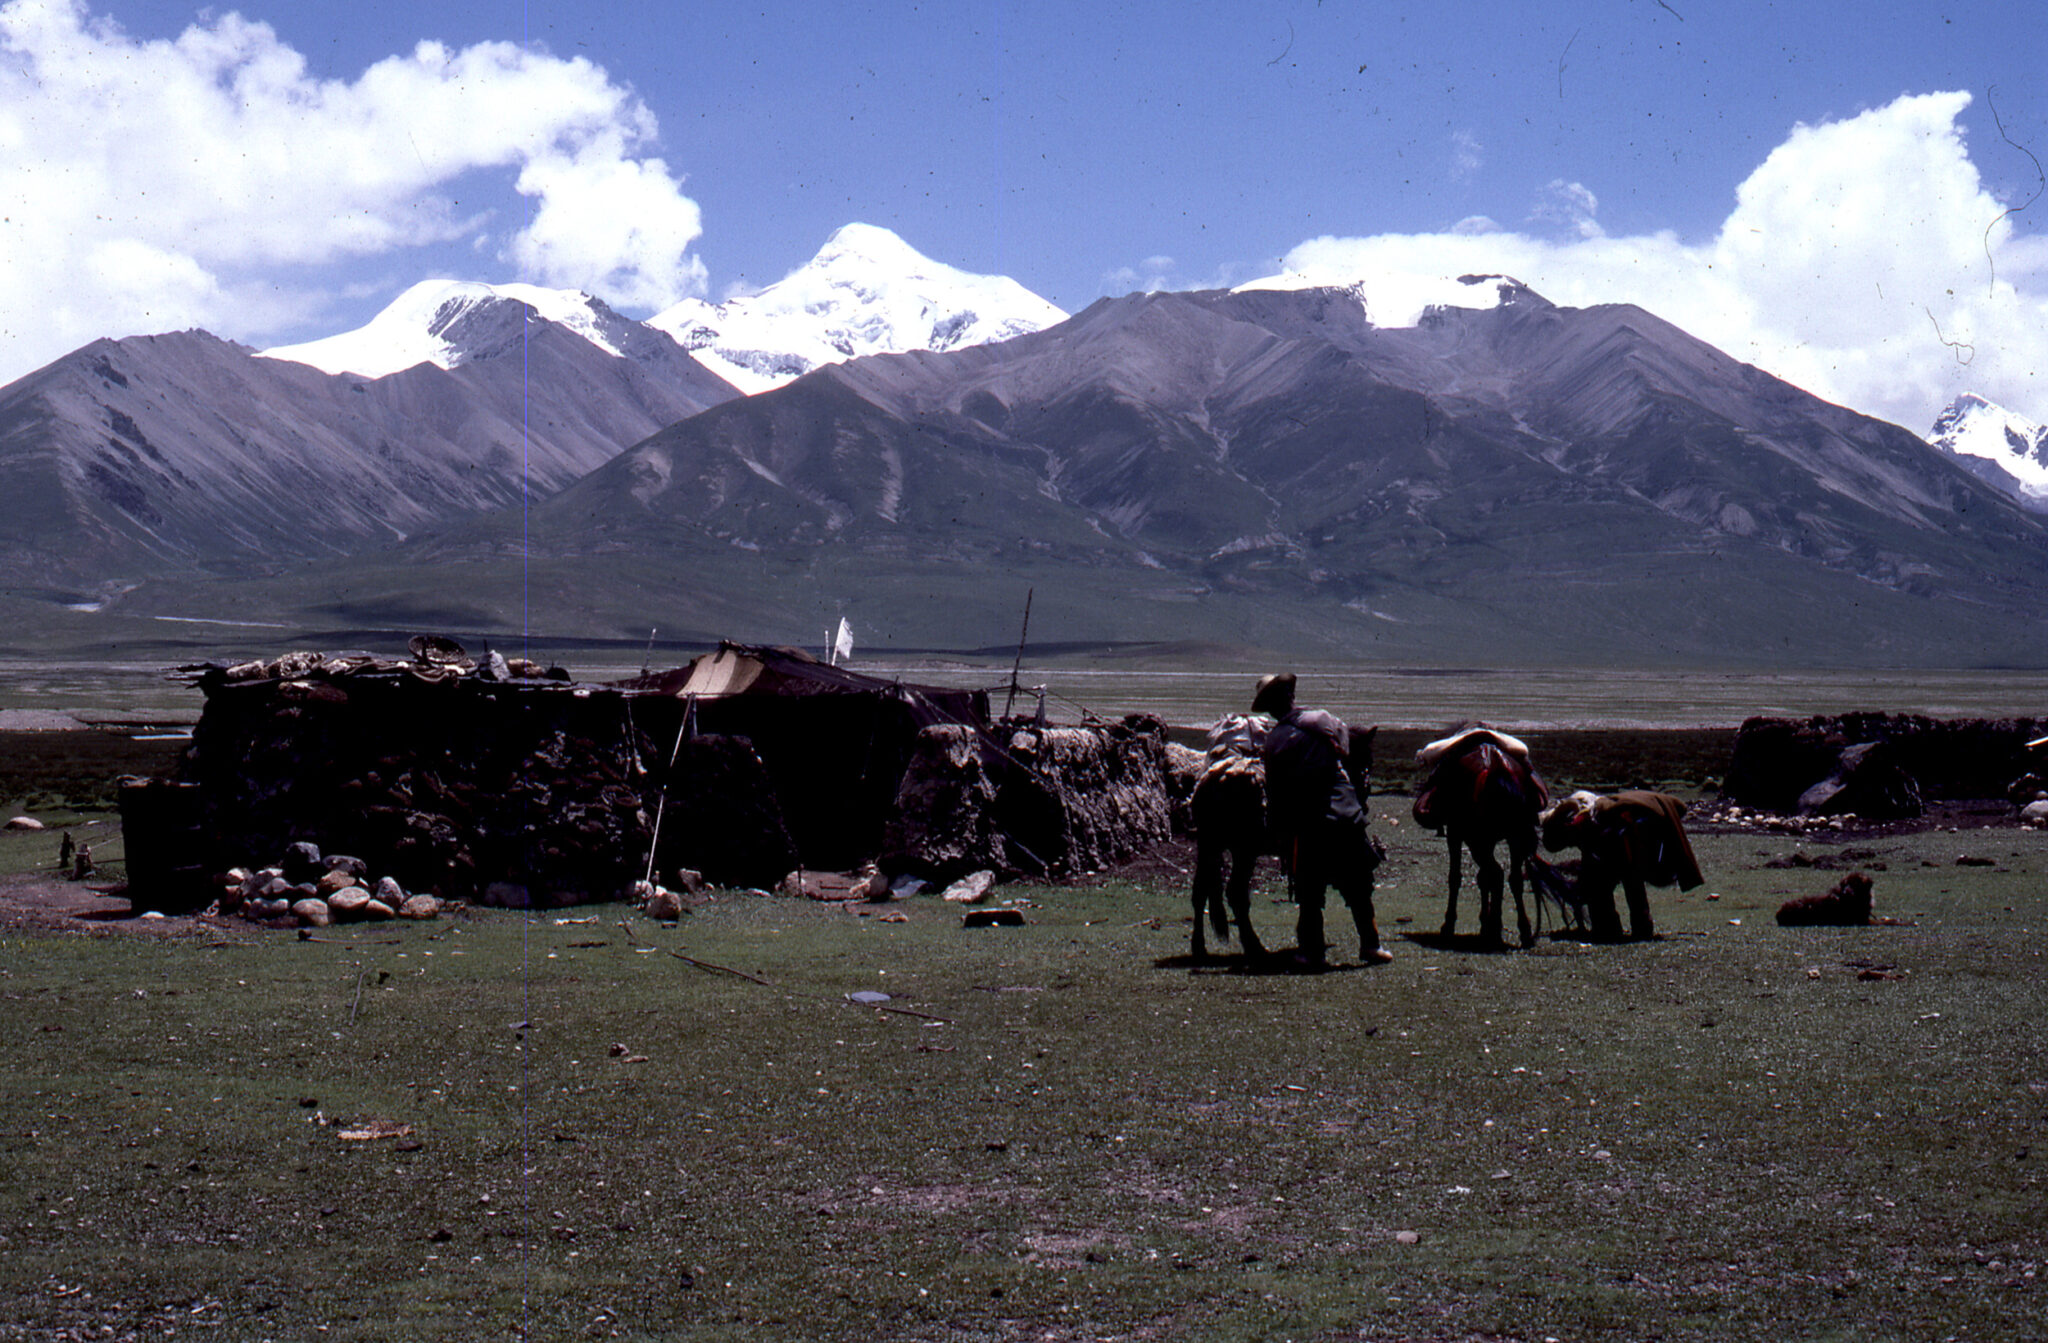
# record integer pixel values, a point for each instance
(51, 904)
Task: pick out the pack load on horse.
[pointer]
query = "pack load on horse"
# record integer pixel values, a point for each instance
(1480, 790)
(1228, 813)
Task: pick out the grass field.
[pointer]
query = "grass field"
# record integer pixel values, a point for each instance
(1066, 1132)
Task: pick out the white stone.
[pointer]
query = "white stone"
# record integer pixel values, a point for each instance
(419, 907)
(970, 888)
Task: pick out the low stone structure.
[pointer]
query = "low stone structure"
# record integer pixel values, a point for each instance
(523, 790)
(489, 781)
(1778, 761)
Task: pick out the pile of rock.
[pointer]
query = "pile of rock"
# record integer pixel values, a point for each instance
(1050, 802)
(318, 890)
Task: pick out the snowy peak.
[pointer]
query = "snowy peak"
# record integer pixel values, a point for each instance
(1404, 300)
(1997, 445)
(865, 292)
(445, 322)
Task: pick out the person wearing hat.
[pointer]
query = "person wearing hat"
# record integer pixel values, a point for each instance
(1316, 814)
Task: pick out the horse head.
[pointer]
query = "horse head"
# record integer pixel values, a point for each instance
(1564, 823)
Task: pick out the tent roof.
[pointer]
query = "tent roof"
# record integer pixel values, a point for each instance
(745, 669)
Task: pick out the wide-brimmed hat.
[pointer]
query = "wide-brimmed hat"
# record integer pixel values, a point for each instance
(1275, 694)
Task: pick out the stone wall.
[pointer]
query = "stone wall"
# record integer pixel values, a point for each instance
(1779, 759)
(454, 785)
(477, 782)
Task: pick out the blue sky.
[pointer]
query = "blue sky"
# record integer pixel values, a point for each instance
(648, 150)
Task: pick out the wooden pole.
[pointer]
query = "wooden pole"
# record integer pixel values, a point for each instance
(1018, 665)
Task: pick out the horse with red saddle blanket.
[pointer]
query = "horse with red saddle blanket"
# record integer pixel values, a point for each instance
(1480, 790)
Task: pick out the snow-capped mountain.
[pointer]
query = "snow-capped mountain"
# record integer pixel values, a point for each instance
(1403, 301)
(154, 452)
(425, 325)
(865, 292)
(1997, 445)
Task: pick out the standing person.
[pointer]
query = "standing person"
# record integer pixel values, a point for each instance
(1318, 819)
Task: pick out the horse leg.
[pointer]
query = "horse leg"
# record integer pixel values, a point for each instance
(1518, 861)
(1244, 861)
(1489, 894)
(1457, 875)
(1207, 892)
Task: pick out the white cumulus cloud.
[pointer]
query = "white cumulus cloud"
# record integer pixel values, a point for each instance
(1149, 276)
(149, 185)
(1571, 206)
(1468, 156)
(1864, 260)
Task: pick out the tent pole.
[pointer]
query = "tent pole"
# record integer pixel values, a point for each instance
(685, 729)
(1018, 665)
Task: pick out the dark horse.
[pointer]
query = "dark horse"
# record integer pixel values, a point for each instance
(1228, 815)
(1481, 791)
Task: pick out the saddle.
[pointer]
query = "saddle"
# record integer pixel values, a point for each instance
(1461, 774)
(1458, 743)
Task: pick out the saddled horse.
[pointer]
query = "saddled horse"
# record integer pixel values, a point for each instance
(1481, 792)
(1228, 815)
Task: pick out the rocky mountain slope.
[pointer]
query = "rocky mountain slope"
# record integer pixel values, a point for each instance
(1542, 478)
(127, 458)
(1505, 481)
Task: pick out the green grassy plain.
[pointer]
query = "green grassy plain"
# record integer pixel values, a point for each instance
(1066, 1132)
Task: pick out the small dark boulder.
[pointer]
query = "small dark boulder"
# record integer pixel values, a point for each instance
(302, 862)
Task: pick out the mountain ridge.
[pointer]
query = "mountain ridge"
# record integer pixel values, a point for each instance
(1285, 450)
(1508, 481)
(186, 449)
